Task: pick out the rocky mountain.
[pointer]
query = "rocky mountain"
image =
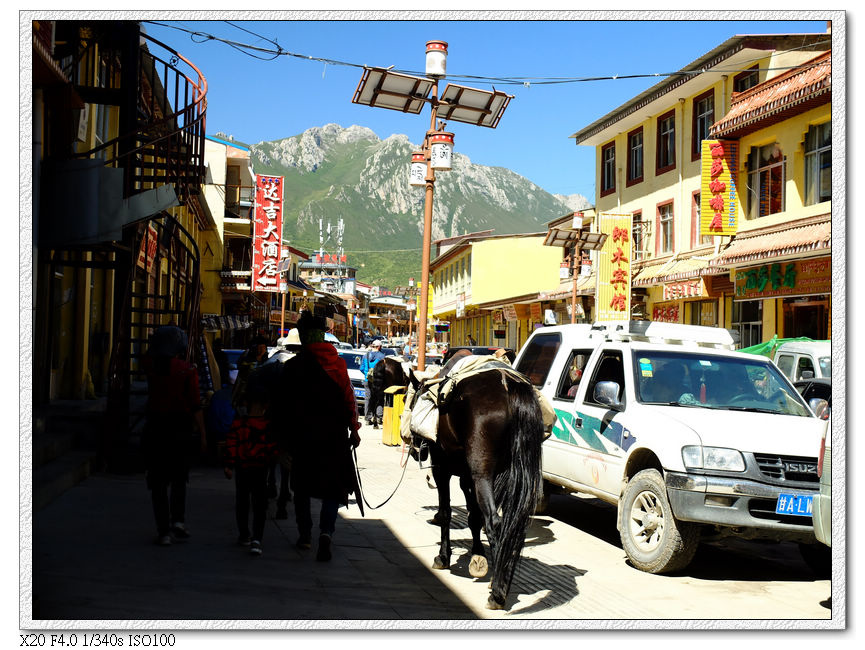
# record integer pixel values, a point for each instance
(333, 172)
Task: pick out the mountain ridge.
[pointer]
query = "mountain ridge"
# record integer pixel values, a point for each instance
(334, 172)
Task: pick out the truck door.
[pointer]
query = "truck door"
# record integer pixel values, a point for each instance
(602, 436)
(559, 449)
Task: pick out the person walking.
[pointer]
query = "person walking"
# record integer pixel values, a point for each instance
(317, 420)
(372, 357)
(173, 412)
(250, 449)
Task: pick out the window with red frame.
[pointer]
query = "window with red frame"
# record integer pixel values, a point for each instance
(665, 229)
(666, 147)
(745, 80)
(608, 168)
(635, 156)
(703, 118)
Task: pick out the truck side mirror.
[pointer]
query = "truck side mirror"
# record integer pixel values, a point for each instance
(607, 393)
(820, 407)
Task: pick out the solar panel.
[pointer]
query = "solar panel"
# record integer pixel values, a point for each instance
(399, 92)
(473, 106)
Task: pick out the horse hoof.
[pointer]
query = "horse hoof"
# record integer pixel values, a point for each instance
(439, 564)
(478, 566)
(492, 603)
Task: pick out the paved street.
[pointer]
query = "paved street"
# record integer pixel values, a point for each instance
(94, 562)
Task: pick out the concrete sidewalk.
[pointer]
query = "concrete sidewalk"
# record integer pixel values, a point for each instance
(94, 558)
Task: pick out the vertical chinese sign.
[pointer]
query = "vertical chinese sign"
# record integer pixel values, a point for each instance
(613, 293)
(267, 237)
(718, 209)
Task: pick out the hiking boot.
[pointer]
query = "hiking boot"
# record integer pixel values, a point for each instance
(164, 540)
(179, 531)
(255, 547)
(304, 542)
(323, 554)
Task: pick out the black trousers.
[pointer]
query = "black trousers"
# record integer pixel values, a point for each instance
(251, 489)
(168, 495)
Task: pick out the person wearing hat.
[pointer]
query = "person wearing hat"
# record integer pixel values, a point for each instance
(372, 357)
(173, 410)
(316, 421)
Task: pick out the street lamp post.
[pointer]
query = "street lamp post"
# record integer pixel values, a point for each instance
(383, 88)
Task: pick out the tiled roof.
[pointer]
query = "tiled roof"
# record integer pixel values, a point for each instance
(811, 237)
(798, 89)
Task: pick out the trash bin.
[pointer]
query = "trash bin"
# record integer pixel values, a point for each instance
(394, 403)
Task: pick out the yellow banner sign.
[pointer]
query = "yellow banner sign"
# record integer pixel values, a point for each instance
(718, 202)
(613, 293)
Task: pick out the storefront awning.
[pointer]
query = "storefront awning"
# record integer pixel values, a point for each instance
(213, 323)
(815, 237)
(673, 271)
(585, 286)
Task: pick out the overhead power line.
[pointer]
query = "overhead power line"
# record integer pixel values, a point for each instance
(270, 54)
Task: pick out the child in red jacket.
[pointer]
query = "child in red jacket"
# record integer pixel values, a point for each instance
(250, 448)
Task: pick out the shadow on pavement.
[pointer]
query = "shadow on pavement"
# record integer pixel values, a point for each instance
(94, 558)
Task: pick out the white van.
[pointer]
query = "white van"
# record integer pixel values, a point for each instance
(797, 358)
(683, 434)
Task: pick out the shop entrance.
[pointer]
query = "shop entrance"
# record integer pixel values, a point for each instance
(808, 317)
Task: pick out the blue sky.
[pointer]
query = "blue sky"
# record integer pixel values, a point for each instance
(257, 100)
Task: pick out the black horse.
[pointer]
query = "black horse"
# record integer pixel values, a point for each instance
(489, 435)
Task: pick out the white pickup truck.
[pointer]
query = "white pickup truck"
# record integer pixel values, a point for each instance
(682, 433)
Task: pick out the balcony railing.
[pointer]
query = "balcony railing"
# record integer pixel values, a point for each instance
(166, 143)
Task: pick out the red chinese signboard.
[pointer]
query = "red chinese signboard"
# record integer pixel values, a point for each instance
(267, 236)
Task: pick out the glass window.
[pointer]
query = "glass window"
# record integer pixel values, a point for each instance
(635, 156)
(700, 239)
(745, 80)
(637, 236)
(700, 380)
(785, 363)
(538, 357)
(665, 219)
(805, 365)
(572, 374)
(704, 117)
(765, 181)
(610, 368)
(608, 168)
(748, 321)
(818, 164)
(666, 155)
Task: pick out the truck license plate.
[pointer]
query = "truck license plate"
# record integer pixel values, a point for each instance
(359, 392)
(794, 504)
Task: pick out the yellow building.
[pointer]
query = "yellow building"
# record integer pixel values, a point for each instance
(117, 223)
(487, 286)
(767, 98)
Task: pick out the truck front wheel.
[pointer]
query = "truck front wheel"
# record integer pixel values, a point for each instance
(653, 539)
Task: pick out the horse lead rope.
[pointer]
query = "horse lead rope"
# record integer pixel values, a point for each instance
(360, 487)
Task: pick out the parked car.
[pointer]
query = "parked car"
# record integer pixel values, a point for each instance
(819, 388)
(680, 432)
(823, 501)
(476, 349)
(819, 556)
(797, 359)
(352, 360)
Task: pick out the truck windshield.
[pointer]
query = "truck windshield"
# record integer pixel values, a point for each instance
(713, 381)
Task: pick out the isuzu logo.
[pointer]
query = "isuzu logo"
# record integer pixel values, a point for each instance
(800, 468)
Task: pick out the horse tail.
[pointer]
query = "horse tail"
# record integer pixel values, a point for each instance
(516, 487)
